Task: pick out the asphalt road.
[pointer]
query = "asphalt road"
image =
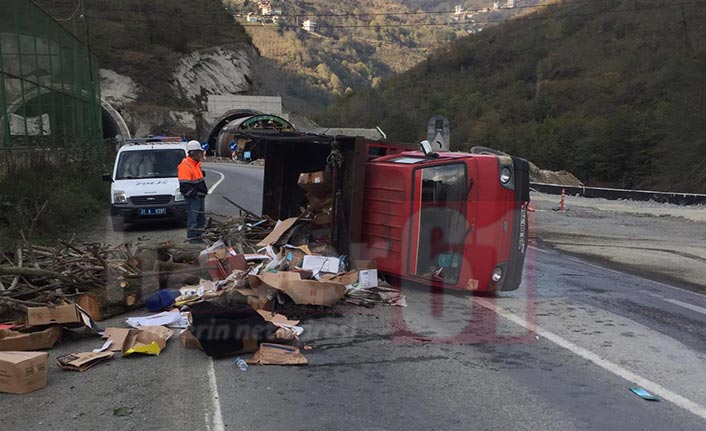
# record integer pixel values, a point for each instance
(558, 354)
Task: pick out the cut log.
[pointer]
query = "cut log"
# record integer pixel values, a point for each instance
(90, 303)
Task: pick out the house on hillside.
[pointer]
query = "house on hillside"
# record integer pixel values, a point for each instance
(251, 18)
(266, 9)
(510, 4)
(458, 9)
(309, 26)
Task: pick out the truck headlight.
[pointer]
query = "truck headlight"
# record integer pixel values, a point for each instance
(119, 197)
(505, 175)
(178, 197)
(497, 274)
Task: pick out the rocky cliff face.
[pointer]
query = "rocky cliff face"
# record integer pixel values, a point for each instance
(220, 71)
(196, 76)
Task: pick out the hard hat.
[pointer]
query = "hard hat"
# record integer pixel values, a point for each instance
(194, 146)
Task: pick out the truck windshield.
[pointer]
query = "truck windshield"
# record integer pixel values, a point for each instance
(442, 221)
(149, 164)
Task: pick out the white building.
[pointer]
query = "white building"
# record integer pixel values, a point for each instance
(458, 10)
(266, 9)
(309, 26)
(510, 4)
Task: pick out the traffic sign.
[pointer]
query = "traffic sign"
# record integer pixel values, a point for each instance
(204, 146)
(233, 146)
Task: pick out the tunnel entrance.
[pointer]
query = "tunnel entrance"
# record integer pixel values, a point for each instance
(229, 125)
(113, 123)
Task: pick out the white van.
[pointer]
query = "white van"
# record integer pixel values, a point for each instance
(145, 186)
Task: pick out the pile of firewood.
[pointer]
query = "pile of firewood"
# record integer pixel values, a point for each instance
(242, 233)
(108, 278)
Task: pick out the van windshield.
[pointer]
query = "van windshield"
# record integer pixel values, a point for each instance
(149, 164)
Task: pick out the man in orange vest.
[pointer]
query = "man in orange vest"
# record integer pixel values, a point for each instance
(192, 186)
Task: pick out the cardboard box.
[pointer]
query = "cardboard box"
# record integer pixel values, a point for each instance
(37, 316)
(30, 338)
(316, 183)
(350, 277)
(23, 372)
(82, 361)
(368, 278)
(321, 264)
(189, 341)
(302, 292)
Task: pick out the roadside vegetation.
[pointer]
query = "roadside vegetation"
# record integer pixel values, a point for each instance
(53, 194)
(611, 91)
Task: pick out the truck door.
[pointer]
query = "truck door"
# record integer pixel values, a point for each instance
(439, 224)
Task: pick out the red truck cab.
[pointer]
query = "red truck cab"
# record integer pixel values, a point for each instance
(453, 220)
(457, 220)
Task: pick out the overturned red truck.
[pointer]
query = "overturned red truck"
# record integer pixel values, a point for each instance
(450, 220)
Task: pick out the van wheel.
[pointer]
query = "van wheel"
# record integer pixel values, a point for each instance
(118, 224)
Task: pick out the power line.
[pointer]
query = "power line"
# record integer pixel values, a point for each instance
(455, 23)
(442, 12)
(519, 18)
(391, 14)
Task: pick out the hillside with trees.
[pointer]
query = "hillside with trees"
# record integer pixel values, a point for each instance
(610, 90)
(355, 44)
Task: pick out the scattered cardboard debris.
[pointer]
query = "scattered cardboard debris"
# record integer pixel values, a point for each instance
(82, 361)
(278, 354)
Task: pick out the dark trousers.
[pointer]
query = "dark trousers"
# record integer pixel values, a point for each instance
(195, 217)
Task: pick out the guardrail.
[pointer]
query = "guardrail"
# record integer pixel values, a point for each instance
(616, 194)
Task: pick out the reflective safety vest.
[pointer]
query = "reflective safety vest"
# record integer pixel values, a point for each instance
(191, 179)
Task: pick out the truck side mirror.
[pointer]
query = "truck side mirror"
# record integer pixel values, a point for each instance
(426, 148)
(107, 178)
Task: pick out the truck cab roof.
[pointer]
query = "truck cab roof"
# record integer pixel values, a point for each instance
(418, 157)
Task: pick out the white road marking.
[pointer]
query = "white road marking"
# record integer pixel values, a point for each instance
(619, 371)
(218, 183)
(686, 305)
(614, 271)
(214, 417)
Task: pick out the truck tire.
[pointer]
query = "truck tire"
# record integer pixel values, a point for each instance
(118, 223)
(487, 150)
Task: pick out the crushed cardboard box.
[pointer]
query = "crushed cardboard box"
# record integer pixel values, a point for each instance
(277, 318)
(277, 354)
(280, 229)
(189, 341)
(30, 338)
(82, 361)
(148, 340)
(23, 372)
